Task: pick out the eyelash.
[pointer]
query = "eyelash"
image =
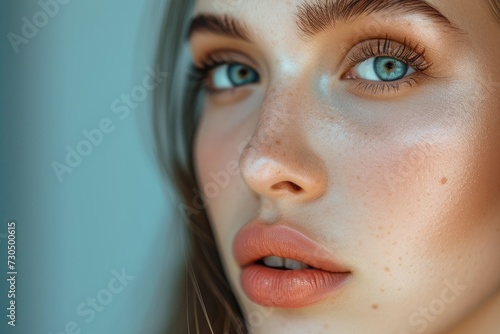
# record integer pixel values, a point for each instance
(405, 52)
(409, 53)
(199, 73)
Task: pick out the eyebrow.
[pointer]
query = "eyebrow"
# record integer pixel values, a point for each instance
(318, 15)
(314, 17)
(221, 25)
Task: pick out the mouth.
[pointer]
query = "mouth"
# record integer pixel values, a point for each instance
(281, 267)
(283, 263)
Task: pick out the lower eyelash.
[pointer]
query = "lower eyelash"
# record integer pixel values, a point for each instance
(375, 87)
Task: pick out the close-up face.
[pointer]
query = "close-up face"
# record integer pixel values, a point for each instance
(348, 153)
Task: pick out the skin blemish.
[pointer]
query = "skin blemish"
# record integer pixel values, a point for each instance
(278, 142)
(375, 306)
(382, 290)
(444, 180)
(387, 269)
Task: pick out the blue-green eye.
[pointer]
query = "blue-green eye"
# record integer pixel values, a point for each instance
(383, 69)
(229, 76)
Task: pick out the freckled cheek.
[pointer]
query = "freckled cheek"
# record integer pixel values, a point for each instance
(425, 194)
(392, 183)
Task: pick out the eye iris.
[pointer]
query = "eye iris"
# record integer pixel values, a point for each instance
(241, 75)
(389, 69)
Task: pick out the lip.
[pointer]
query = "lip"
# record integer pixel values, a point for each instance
(285, 288)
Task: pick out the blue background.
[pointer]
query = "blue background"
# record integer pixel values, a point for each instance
(113, 211)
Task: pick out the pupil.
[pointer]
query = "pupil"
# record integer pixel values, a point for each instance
(243, 73)
(390, 66)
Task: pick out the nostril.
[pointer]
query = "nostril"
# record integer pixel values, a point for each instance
(287, 186)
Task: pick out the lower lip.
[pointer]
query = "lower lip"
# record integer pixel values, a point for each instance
(289, 288)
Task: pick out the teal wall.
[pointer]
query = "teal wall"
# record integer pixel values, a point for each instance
(78, 231)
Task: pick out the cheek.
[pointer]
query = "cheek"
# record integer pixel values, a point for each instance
(221, 137)
(429, 205)
(217, 168)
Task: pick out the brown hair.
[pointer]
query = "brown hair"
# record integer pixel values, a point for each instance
(205, 302)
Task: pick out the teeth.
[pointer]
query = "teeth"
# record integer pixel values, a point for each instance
(274, 261)
(292, 264)
(279, 262)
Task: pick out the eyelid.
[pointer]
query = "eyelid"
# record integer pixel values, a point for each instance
(227, 55)
(410, 53)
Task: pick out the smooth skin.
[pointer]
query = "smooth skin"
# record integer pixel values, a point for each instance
(402, 185)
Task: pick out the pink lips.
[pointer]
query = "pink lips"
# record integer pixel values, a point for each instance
(285, 288)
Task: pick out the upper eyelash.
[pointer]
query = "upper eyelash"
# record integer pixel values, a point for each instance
(405, 52)
(200, 72)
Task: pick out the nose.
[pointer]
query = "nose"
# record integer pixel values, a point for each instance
(280, 162)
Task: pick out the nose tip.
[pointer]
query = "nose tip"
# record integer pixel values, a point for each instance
(280, 176)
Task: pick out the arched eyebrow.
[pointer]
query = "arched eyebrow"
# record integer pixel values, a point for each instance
(221, 25)
(314, 16)
(318, 15)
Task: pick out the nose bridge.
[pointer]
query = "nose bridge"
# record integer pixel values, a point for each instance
(280, 115)
(276, 128)
(278, 160)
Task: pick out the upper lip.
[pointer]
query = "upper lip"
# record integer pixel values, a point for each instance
(256, 241)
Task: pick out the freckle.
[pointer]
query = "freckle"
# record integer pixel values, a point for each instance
(382, 290)
(387, 269)
(375, 306)
(278, 142)
(444, 180)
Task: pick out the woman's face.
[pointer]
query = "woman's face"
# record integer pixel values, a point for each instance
(362, 139)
